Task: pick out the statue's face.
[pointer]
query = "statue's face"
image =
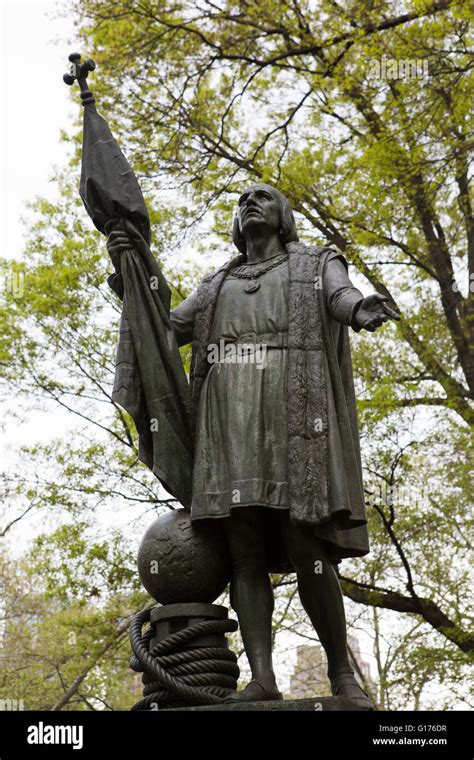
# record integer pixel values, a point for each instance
(258, 209)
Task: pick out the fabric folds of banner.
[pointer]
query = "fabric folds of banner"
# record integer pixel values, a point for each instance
(150, 382)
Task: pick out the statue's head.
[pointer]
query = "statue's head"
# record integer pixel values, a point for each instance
(262, 207)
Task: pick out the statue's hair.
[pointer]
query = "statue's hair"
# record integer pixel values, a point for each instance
(287, 233)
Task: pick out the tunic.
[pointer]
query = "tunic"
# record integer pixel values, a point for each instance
(241, 456)
(241, 433)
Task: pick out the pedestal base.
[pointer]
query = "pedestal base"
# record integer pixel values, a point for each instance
(316, 704)
(182, 654)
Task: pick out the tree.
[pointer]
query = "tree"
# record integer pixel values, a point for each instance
(377, 165)
(205, 97)
(63, 644)
(283, 91)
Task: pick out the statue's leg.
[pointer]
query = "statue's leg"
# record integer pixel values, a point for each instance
(251, 597)
(321, 597)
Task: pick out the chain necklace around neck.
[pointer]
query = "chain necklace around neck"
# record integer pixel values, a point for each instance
(257, 269)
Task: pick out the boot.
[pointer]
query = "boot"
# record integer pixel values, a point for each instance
(253, 692)
(344, 684)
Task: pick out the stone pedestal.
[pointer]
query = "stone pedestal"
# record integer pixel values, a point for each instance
(318, 704)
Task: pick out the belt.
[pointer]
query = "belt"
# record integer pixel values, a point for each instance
(270, 340)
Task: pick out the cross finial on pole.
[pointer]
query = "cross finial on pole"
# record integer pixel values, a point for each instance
(79, 71)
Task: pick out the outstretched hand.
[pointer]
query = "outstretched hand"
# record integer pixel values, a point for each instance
(373, 312)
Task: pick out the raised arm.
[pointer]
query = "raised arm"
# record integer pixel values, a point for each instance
(182, 318)
(117, 241)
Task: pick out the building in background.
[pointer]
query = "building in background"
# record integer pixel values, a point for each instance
(309, 677)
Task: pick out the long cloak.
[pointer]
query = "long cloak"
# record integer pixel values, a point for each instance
(324, 466)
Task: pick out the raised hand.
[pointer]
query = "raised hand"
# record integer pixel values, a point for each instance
(118, 241)
(373, 312)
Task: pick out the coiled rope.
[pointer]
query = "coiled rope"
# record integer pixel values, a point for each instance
(176, 676)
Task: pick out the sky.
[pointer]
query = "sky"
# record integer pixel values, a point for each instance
(35, 106)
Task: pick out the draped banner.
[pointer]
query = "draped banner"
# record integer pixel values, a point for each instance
(150, 382)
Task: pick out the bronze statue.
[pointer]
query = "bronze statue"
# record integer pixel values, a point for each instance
(276, 445)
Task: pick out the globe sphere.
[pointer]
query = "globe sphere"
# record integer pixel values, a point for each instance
(179, 562)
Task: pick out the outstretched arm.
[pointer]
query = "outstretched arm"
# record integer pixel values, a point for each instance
(347, 304)
(182, 319)
(372, 312)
